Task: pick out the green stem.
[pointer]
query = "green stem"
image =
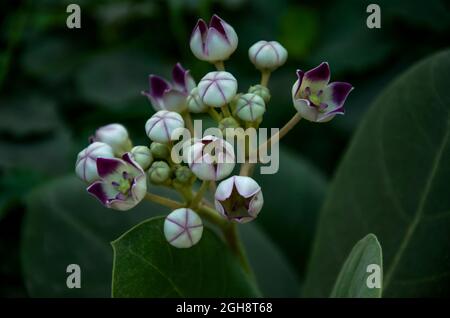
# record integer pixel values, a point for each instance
(225, 111)
(232, 237)
(214, 114)
(219, 66)
(199, 195)
(265, 76)
(163, 201)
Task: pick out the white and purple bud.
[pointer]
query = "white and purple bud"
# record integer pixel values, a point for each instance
(215, 42)
(239, 199)
(183, 228)
(122, 183)
(86, 166)
(315, 98)
(161, 126)
(195, 103)
(165, 95)
(250, 107)
(115, 135)
(267, 55)
(210, 158)
(217, 88)
(142, 155)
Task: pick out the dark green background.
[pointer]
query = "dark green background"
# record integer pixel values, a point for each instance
(57, 85)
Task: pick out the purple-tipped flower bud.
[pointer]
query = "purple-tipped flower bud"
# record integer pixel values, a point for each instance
(115, 135)
(161, 126)
(215, 42)
(217, 88)
(86, 166)
(210, 158)
(267, 55)
(239, 198)
(183, 228)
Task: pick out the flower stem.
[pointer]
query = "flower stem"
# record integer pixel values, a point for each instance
(199, 195)
(225, 111)
(230, 234)
(232, 237)
(247, 168)
(188, 122)
(265, 75)
(219, 66)
(163, 201)
(214, 114)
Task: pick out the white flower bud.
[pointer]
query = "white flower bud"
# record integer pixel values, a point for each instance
(183, 228)
(217, 88)
(142, 155)
(261, 91)
(210, 158)
(115, 135)
(161, 125)
(250, 107)
(86, 165)
(195, 103)
(239, 198)
(159, 172)
(267, 55)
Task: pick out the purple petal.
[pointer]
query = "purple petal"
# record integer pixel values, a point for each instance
(96, 189)
(107, 166)
(300, 75)
(158, 86)
(129, 159)
(319, 74)
(338, 92)
(202, 27)
(216, 23)
(179, 75)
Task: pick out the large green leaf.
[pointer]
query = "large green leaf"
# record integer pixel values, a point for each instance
(292, 199)
(65, 225)
(393, 182)
(145, 265)
(356, 271)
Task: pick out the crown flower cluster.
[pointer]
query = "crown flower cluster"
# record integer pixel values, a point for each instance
(120, 175)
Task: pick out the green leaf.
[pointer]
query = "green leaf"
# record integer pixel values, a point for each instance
(65, 225)
(145, 265)
(34, 136)
(266, 259)
(290, 212)
(393, 182)
(353, 277)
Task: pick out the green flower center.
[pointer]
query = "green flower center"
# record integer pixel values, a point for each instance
(313, 98)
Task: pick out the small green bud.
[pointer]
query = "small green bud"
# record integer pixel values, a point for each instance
(228, 122)
(261, 91)
(142, 155)
(183, 174)
(159, 150)
(159, 172)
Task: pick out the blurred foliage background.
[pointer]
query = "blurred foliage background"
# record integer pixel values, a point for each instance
(58, 84)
